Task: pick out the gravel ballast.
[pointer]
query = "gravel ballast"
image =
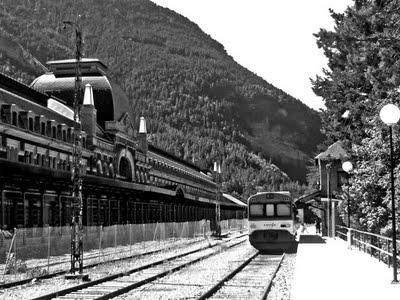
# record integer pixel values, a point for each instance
(282, 283)
(36, 289)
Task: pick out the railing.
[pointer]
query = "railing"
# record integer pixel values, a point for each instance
(376, 245)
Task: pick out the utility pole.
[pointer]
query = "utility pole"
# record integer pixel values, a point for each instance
(76, 176)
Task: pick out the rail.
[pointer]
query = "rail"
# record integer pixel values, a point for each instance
(376, 245)
(161, 268)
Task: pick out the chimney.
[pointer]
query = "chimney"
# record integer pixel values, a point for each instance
(142, 135)
(89, 114)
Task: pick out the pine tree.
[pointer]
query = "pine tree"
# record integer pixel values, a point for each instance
(363, 54)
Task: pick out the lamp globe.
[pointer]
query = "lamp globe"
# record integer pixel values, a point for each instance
(390, 114)
(347, 166)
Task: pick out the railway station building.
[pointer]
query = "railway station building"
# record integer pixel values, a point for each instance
(125, 178)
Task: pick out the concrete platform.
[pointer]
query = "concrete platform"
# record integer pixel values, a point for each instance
(326, 269)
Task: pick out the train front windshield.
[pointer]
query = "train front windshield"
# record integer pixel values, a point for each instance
(270, 210)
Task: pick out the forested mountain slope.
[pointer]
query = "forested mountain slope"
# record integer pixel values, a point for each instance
(200, 104)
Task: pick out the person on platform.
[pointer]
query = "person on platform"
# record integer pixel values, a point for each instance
(318, 226)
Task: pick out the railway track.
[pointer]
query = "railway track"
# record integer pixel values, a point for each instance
(250, 280)
(66, 262)
(120, 283)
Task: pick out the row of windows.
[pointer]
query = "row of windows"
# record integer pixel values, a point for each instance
(49, 128)
(37, 124)
(176, 171)
(46, 161)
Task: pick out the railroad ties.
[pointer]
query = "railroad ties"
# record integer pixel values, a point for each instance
(120, 283)
(251, 280)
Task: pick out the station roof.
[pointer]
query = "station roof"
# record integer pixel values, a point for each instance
(109, 99)
(66, 67)
(334, 151)
(234, 200)
(306, 198)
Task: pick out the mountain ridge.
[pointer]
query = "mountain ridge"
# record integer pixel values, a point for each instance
(198, 100)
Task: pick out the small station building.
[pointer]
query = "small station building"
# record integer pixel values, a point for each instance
(331, 179)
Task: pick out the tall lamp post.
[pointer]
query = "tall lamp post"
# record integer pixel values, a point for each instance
(347, 166)
(77, 211)
(217, 172)
(390, 115)
(328, 191)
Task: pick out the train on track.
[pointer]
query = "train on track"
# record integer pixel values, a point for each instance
(272, 221)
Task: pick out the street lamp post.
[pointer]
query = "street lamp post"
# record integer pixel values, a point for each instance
(328, 191)
(347, 166)
(390, 115)
(77, 212)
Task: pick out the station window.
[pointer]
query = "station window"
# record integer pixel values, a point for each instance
(21, 122)
(64, 135)
(42, 128)
(4, 115)
(14, 118)
(53, 132)
(31, 124)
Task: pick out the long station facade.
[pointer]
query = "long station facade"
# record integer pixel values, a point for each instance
(125, 179)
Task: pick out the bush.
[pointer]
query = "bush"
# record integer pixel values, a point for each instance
(37, 272)
(15, 265)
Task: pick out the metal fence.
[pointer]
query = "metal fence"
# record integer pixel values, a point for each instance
(233, 224)
(376, 245)
(31, 252)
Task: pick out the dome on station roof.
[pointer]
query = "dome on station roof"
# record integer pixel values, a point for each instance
(109, 99)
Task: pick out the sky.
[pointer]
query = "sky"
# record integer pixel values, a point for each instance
(272, 38)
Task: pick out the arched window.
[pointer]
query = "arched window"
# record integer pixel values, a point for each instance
(125, 168)
(111, 168)
(69, 138)
(105, 170)
(99, 167)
